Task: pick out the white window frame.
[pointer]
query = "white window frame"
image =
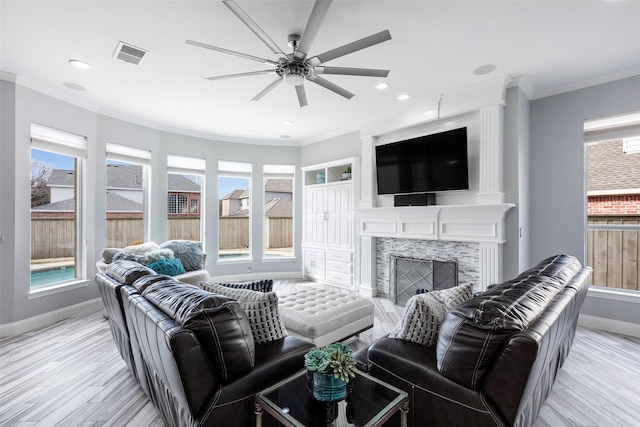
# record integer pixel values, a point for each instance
(142, 157)
(68, 144)
(235, 169)
(279, 171)
(186, 165)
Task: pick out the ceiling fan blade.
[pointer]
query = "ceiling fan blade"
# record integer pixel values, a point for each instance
(302, 95)
(355, 46)
(246, 19)
(232, 52)
(250, 73)
(320, 9)
(267, 89)
(332, 87)
(346, 71)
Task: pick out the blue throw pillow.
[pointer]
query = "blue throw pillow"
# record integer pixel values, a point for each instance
(167, 266)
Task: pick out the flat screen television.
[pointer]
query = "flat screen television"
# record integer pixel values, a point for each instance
(425, 164)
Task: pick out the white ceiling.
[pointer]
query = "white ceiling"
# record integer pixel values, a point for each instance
(435, 46)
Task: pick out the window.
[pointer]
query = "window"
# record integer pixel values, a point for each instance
(127, 195)
(234, 192)
(56, 217)
(185, 192)
(278, 210)
(613, 201)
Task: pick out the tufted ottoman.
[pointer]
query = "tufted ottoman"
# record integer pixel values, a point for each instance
(325, 316)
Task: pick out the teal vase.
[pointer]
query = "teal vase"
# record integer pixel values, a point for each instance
(326, 388)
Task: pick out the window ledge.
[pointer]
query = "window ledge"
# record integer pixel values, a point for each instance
(58, 288)
(234, 261)
(614, 294)
(279, 259)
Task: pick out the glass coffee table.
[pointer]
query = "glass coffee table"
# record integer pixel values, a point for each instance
(371, 403)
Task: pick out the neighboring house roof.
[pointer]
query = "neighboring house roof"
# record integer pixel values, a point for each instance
(67, 205)
(180, 183)
(609, 168)
(241, 212)
(115, 203)
(245, 194)
(61, 178)
(235, 194)
(279, 185)
(279, 208)
(124, 176)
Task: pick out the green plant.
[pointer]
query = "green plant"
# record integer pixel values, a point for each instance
(334, 359)
(348, 169)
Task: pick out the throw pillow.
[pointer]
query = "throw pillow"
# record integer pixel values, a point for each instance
(423, 313)
(168, 266)
(159, 254)
(190, 253)
(142, 249)
(260, 286)
(108, 253)
(128, 256)
(261, 309)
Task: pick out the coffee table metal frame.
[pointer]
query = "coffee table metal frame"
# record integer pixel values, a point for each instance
(263, 404)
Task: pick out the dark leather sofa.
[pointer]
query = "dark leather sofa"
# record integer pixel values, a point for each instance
(497, 355)
(192, 351)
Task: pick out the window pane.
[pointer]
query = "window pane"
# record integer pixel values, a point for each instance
(183, 199)
(53, 218)
(278, 216)
(235, 214)
(125, 204)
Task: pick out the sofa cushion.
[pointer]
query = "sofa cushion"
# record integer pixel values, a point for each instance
(127, 272)
(189, 252)
(473, 333)
(423, 313)
(168, 266)
(261, 309)
(219, 323)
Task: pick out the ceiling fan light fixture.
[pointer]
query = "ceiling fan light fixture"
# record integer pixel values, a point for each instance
(294, 79)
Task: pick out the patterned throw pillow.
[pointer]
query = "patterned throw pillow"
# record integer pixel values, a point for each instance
(260, 286)
(261, 309)
(423, 313)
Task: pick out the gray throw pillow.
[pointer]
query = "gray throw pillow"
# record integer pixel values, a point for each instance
(423, 313)
(190, 253)
(261, 309)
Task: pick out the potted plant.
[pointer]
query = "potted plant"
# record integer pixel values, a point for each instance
(346, 175)
(329, 371)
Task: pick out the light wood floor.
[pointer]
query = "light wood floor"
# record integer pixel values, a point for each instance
(70, 374)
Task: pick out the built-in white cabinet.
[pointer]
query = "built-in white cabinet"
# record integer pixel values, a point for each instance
(328, 240)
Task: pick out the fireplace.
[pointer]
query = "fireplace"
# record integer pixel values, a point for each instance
(410, 276)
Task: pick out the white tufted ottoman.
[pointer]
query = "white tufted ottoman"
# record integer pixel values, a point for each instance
(325, 316)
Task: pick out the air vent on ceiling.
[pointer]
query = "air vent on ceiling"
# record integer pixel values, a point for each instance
(129, 53)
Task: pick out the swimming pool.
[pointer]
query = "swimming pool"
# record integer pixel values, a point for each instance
(51, 276)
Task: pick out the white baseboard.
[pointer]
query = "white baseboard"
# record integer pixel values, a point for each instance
(609, 325)
(22, 326)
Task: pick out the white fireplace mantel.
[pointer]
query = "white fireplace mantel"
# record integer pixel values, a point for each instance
(461, 223)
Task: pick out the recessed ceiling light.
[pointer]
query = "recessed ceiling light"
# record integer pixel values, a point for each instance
(403, 97)
(484, 69)
(287, 123)
(74, 86)
(382, 86)
(79, 64)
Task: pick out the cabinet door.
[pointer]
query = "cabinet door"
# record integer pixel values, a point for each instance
(314, 216)
(320, 216)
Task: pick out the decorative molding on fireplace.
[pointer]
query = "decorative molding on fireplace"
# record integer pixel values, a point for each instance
(460, 223)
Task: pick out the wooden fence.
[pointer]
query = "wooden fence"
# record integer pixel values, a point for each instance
(613, 253)
(55, 237)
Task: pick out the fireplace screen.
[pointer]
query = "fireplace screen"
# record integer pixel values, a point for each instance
(410, 276)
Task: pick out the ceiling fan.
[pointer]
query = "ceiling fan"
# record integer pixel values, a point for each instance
(296, 67)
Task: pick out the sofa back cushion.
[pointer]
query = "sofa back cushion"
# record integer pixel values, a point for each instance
(127, 272)
(472, 334)
(218, 321)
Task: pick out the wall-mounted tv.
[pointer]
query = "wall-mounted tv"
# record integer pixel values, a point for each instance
(425, 164)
